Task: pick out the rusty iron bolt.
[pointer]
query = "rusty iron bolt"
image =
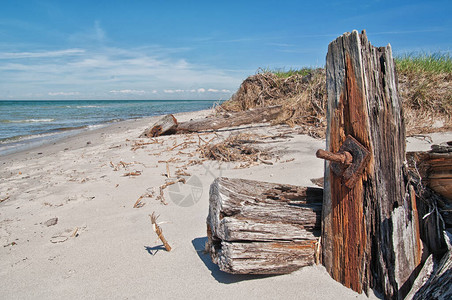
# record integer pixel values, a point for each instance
(342, 157)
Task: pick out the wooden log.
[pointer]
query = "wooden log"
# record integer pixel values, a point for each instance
(166, 125)
(370, 231)
(257, 227)
(258, 115)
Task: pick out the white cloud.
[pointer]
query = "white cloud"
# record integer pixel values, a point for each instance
(63, 93)
(154, 91)
(41, 54)
(225, 91)
(212, 90)
(130, 92)
(174, 91)
(104, 69)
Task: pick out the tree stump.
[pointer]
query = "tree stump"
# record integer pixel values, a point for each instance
(258, 227)
(370, 230)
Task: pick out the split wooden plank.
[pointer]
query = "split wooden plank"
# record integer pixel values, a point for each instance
(370, 231)
(257, 227)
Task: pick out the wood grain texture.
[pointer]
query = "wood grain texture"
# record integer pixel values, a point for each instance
(262, 228)
(370, 232)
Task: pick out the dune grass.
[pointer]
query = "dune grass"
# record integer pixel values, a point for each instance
(424, 85)
(283, 73)
(435, 63)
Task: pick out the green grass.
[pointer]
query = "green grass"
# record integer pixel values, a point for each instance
(283, 73)
(435, 63)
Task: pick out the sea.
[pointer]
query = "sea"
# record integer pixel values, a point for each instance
(27, 124)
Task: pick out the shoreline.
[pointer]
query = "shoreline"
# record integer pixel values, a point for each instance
(103, 247)
(107, 126)
(21, 128)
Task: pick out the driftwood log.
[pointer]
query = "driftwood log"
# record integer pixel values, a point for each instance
(262, 228)
(258, 115)
(166, 125)
(370, 229)
(169, 125)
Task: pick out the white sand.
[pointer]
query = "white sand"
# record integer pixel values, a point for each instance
(116, 254)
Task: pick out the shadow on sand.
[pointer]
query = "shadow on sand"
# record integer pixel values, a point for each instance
(220, 276)
(153, 250)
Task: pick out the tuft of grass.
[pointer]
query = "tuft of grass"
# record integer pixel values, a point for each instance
(435, 63)
(283, 73)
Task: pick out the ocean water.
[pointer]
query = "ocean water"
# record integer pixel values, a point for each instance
(25, 124)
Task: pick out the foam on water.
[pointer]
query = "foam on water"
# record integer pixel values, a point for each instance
(25, 123)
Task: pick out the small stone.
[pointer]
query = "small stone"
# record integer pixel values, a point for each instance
(51, 222)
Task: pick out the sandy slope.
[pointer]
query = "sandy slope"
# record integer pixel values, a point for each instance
(115, 253)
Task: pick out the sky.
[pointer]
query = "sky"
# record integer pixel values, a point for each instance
(163, 49)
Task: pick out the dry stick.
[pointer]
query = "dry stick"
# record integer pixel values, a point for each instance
(168, 171)
(4, 199)
(183, 143)
(173, 182)
(123, 164)
(159, 232)
(267, 162)
(139, 144)
(174, 159)
(181, 172)
(317, 251)
(138, 203)
(161, 197)
(135, 173)
(74, 234)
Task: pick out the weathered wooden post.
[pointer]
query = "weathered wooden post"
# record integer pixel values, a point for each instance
(370, 230)
(256, 227)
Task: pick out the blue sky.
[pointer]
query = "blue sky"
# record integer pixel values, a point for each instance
(190, 49)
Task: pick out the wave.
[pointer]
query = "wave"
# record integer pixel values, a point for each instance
(88, 106)
(45, 134)
(28, 121)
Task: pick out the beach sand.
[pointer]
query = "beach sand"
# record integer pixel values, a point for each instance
(103, 247)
